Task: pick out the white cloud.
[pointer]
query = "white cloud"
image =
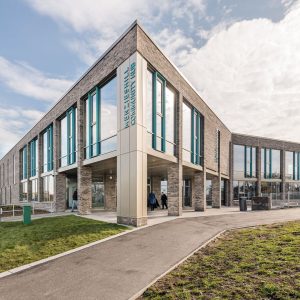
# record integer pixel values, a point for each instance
(14, 121)
(249, 74)
(28, 81)
(99, 24)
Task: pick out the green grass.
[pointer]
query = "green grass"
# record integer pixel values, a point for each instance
(21, 244)
(259, 263)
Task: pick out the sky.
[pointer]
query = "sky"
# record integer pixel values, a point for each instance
(243, 57)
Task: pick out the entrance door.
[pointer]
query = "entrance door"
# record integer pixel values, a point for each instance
(71, 188)
(98, 194)
(187, 192)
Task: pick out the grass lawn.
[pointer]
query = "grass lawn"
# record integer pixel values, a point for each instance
(259, 263)
(21, 244)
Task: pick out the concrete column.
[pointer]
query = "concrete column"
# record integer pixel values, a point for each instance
(200, 190)
(59, 178)
(216, 191)
(258, 170)
(110, 188)
(282, 175)
(29, 186)
(156, 186)
(175, 190)
(132, 142)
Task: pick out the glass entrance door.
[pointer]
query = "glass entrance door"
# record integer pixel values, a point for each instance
(187, 192)
(98, 194)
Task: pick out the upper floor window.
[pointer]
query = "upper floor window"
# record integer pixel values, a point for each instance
(68, 138)
(48, 149)
(270, 163)
(192, 134)
(244, 162)
(23, 154)
(101, 119)
(160, 113)
(292, 165)
(34, 160)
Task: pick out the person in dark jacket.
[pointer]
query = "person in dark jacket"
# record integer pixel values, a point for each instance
(152, 200)
(164, 200)
(74, 202)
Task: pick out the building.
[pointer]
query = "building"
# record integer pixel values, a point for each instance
(133, 124)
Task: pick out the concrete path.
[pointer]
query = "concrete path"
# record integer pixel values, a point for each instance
(119, 268)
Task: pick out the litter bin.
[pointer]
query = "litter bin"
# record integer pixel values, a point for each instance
(243, 203)
(27, 214)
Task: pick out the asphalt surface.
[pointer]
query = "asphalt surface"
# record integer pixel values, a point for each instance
(120, 267)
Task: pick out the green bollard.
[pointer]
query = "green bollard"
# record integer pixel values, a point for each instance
(26, 214)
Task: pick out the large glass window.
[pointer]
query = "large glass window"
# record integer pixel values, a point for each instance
(34, 190)
(170, 121)
(23, 163)
(244, 189)
(48, 149)
(268, 188)
(149, 109)
(270, 163)
(244, 162)
(34, 157)
(192, 135)
(101, 119)
(186, 132)
(292, 165)
(23, 191)
(68, 138)
(48, 188)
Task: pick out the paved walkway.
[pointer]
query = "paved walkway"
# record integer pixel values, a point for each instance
(120, 267)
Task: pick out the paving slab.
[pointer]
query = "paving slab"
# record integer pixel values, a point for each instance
(120, 267)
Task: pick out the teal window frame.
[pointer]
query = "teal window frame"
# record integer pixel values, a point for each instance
(90, 151)
(296, 165)
(90, 142)
(157, 76)
(251, 162)
(196, 137)
(268, 171)
(49, 148)
(71, 135)
(33, 162)
(24, 162)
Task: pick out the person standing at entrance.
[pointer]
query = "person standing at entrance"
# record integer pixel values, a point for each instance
(164, 200)
(152, 200)
(74, 202)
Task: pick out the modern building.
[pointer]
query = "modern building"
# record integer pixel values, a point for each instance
(133, 124)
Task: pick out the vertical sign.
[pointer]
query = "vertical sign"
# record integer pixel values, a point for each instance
(129, 94)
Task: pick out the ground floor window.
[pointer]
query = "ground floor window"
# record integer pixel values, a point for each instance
(268, 188)
(48, 188)
(34, 190)
(23, 191)
(244, 189)
(98, 193)
(187, 192)
(209, 192)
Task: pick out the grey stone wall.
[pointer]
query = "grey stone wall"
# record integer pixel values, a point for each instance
(200, 190)
(110, 188)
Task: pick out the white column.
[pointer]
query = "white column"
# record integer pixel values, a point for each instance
(132, 142)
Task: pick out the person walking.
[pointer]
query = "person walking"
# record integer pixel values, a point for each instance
(74, 202)
(164, 200)
(152, 200)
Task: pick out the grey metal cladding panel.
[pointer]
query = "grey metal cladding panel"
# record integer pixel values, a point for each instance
(125, 47)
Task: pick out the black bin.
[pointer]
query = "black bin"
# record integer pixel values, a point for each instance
(243, 203)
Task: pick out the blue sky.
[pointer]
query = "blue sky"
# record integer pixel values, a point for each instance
(242, 56)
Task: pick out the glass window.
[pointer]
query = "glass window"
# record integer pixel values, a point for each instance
(270, 163)
(109, 116)
(275, 164)
(101, 119)
(63, 142)
(34, 190)
(34, 157)
(68, 138)
(48, 149)
(186, 132)
(238, 161)
(48, 188)
(23, 164)
(23, 191)
(170, 121)
(149, 109)
(289, 165)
